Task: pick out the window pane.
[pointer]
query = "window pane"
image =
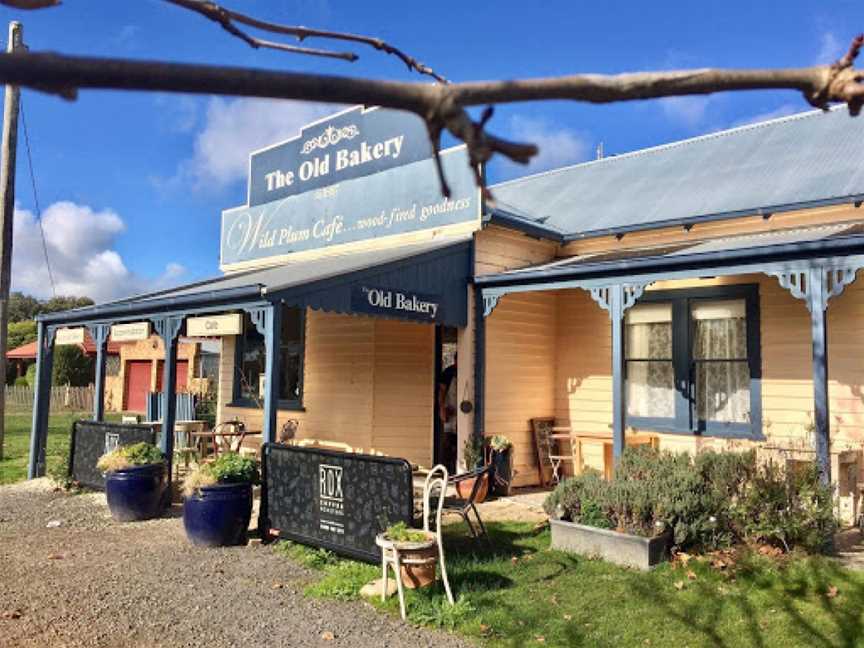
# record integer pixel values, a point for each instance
(723, 392)
(292, 325)
(650, 389)
(252, 359)
(649, 332)
(720, 330)
(289, 384)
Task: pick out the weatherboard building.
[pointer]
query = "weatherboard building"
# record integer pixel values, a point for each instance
(700, 294)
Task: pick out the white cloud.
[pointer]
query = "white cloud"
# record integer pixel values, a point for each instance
(233, 128)
(784, 110)
(558, 146)
(83, 263)
(830, 49)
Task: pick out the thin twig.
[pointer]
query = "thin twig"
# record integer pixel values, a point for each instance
(224, 18)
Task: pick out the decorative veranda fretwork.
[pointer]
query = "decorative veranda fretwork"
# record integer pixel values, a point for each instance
(99, 333)
(490, 301)
(631, 292)
(168, 327)
(258, 315)
(801, 283)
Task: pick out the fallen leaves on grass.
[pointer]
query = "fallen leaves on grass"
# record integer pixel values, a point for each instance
(679, 585)
(832, 592)
(691, 574)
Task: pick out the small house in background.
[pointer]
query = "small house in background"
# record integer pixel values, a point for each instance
(25, 355)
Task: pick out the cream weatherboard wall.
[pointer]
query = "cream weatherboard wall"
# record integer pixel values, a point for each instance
(368, 384)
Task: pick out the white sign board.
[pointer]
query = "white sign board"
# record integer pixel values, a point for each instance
(231, 324)
(131, 332)
(65, 336)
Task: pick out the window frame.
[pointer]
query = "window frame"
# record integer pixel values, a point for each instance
(295, 405)
(685, 420)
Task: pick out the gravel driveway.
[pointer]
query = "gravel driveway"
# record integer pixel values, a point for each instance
(91, 582)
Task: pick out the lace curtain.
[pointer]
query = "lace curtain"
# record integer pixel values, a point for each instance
(650, 376)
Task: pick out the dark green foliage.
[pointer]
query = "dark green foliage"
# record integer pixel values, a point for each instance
(30, 376)
(708, 501)
(62, 303)
(72, 367)
(20, 333)
(21, 381)
(22, 307)
(231, 467)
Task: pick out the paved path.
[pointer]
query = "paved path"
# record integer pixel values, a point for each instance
(91, 582)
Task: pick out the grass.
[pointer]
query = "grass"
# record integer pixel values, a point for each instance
(13, 467)
(518, 592)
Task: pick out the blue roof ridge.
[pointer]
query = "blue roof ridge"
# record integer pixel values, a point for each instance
(671, 145)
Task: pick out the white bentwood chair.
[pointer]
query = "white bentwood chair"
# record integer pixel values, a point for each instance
(436, 481)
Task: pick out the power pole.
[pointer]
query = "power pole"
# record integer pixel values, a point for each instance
(8, 151)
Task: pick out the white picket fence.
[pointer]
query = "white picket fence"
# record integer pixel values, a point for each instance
(63, 398)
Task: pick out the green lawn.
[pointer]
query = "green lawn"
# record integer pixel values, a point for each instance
(13, 467)
(519, 592)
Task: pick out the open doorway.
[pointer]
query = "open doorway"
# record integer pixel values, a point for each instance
(446, 397)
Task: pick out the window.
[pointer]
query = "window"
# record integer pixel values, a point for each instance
(692, 362)
(251, 357)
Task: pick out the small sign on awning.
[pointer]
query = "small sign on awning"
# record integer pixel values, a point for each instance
(231, 324)
(132, 332)
(67, 336)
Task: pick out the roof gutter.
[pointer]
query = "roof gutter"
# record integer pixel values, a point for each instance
(524, 225)
(179, 302)
(839, 246)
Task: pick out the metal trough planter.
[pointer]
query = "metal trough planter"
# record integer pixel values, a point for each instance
(619, 548)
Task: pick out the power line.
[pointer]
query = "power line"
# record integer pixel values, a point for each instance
(36, 198)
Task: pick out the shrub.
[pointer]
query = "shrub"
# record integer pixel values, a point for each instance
(787, 508)
(227, 468)
(708, 501)
(21, 381)
(401, 532)
(136, 454)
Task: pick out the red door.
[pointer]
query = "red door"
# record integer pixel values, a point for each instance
(182, 375)
(137, 385)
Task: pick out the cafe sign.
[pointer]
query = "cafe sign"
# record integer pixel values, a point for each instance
(69, 336)
(230, 324)
(132, 332)
(404, 304)
(359, 175)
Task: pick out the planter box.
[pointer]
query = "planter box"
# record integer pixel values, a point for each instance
(618, 548)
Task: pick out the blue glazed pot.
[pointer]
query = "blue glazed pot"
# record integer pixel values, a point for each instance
(135, 493)
(219, 515)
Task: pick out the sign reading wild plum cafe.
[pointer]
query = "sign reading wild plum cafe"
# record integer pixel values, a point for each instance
(358, 175)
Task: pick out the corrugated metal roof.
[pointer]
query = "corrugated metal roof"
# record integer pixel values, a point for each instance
(810, 157)
(756, 243)
(296, 273)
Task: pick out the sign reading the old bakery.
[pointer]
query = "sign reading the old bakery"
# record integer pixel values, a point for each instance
(359, 175)
(397, 303)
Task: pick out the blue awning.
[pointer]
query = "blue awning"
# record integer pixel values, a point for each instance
(424, 282)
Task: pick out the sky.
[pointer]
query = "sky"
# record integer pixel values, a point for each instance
(131, 185)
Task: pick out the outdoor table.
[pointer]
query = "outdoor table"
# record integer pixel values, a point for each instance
(212, 435)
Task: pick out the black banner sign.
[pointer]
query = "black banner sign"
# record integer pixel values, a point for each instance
(404, 304)
(336, 500)
(92, 439)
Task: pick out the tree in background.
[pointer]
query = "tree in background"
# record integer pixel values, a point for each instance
(22, 307)
(21, 333)
(71, 367)
(61, 303)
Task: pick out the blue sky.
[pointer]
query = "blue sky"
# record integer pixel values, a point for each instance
(132, 184)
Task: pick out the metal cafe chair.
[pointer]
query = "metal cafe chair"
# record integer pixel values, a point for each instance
(436, 482)
(462, 507)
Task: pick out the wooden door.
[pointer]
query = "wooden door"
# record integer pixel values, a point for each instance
(137, 385)
(181, 380)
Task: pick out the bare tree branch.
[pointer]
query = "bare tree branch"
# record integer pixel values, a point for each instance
(442, 107)
(225, 18)
(30, 4)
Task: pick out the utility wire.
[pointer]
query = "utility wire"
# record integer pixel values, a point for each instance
(36, 198)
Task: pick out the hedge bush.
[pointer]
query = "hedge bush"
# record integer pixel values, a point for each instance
(706, 501)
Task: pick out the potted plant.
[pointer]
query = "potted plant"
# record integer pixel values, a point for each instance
(500, 456)
(218, 501)
(473, 453)
(134, 481)
(419, 549)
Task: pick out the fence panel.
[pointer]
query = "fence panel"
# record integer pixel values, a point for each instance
(63, 398)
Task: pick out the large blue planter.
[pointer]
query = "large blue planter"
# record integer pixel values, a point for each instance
(219, 516)
(135, 493)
